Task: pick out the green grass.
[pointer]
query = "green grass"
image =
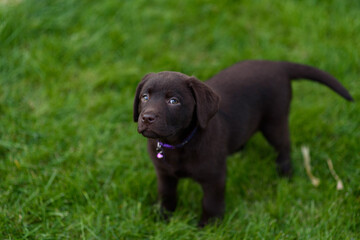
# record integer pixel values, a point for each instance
(72, 165)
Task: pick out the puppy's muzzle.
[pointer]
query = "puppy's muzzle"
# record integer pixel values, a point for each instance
(148, 118)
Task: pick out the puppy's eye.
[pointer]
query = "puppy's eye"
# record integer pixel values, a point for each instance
(145, 97)
(174, 101)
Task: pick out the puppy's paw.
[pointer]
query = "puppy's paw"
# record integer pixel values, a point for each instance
(285, 170)
(214, 221)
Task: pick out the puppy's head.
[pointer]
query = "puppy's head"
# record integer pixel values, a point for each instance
(166, 103)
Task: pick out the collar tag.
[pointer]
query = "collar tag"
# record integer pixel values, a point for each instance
(159, 151)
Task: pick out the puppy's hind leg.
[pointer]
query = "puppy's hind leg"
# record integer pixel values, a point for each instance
(278, 135)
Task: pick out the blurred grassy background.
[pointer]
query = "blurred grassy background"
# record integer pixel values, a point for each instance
(72, 165)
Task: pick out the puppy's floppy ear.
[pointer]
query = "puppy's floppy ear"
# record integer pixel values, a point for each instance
(137, 98)
(207, 101)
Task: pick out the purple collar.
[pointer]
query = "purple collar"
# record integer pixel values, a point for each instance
(161, 145)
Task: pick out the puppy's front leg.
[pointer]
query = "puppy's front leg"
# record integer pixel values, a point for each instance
(167, 186)
(213, 202)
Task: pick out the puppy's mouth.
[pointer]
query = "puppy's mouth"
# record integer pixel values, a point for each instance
(149, 133)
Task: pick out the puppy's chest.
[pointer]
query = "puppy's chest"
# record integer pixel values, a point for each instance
(179, 165)
(182, 173)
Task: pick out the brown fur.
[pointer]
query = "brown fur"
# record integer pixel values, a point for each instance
(228, 109)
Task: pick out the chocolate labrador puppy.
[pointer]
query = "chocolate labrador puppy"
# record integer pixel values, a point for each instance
(192, 126)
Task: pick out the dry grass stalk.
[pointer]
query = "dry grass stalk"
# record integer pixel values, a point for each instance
(339, 185)
(306, 154)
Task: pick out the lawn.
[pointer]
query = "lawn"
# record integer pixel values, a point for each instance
(72, 165)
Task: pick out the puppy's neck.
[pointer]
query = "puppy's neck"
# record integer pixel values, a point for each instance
(182, 135)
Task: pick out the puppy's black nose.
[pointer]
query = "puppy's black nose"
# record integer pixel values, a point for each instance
(148, 118)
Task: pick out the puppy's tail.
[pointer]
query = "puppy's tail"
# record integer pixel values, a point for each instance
(297, 71)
